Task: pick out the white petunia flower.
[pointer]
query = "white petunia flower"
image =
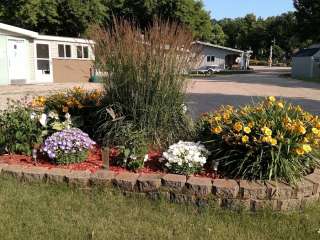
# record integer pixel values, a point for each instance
(43, 120)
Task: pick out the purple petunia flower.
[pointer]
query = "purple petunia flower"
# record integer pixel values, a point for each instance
(69, 140)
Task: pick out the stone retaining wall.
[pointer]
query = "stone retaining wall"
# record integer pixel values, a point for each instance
(231, 194)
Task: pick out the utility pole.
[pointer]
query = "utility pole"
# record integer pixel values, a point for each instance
(271, 52)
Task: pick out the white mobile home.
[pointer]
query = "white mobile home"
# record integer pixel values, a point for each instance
(223, 57)
(27, 57)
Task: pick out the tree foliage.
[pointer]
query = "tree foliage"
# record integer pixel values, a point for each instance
(308, 16)
(72, 17)
(258, 34)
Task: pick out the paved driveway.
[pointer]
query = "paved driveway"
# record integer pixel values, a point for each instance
(239, 89)
(18, 92)
(208, 94)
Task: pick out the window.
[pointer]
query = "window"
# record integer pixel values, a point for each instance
(43, 61)
(79, 51)
(210, 58)
(61, 51)
(85, 52)
(68, 51)
(64, 51)
(82, 52)
(42, 51)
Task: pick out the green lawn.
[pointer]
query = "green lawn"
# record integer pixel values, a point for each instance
(40, 211)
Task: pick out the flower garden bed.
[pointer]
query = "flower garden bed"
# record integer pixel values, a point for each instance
(242, 194)
(187, 172)
(142, 109)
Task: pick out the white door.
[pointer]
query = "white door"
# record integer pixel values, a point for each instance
(43, 62)
(17, 60)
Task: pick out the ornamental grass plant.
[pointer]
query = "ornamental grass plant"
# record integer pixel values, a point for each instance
(268, 140)
(144, 78)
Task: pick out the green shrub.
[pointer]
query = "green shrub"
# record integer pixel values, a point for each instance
(19, 131)
(269, 140)
(144, 80)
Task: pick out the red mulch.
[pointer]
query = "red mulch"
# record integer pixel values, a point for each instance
(93, 163)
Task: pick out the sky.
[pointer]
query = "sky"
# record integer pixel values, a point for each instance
(238, 8)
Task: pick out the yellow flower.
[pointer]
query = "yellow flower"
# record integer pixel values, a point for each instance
(216, 130)
(267, 131)
(301, 129)
(245, 139)
(247, 130)
(271, 99)
(217, 118)
(307, 148)
(273, 142)
(299, 109)
(226, 116)
(280, 105)
(306, 140)
(266, 139)
(238, 126)
(315, 131)
(251, 124)
(300, 151)
(39, 101)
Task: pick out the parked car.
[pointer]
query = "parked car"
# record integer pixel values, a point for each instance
(207, 69)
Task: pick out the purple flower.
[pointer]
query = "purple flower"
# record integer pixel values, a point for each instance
(69, 140)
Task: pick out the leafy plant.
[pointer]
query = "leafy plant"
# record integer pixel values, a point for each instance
(52, 122)
(268, 140)
(132, 153)
(19, 132)
(144, 80)
(68, 146)
(81, 104)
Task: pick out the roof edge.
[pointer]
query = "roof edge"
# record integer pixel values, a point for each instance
(218, 46)
(18, 30)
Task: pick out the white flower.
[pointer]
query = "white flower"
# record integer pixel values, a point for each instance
(133, 157)
(146, 158)
(53, 115)
(190, 153)
(33, 115)
(43, 119)
(67, 116)
(184, 108)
